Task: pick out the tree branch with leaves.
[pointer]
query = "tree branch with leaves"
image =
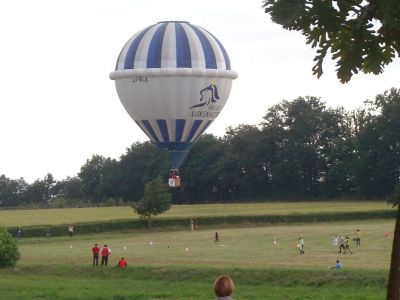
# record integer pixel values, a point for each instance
(360, 35)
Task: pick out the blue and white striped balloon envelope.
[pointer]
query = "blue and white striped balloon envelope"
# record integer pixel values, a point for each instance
(173, 78)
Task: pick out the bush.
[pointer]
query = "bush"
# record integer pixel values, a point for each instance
(9, 253)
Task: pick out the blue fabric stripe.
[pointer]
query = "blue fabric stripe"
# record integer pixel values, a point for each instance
(196, 125)
(179, 128)
(224, 53)
(209, 55)
(130, 55)
(162, 124)
(141, 127)
(150, 129)
(155, 48)
(183, 55)
(119, 56)
(204, 128)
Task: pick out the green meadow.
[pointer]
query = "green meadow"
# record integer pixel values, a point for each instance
(15, 218)
(161, 268)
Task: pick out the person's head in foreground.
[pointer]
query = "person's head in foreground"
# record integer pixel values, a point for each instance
(223, 287)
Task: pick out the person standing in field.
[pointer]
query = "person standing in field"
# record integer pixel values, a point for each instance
(335, 240)
(216, 237)
(48, 232)
(341, 244)
(358, 237)
(70, 230)
(301, 245)
(223, 288)
(95, 252)
(105, 253)
(122, 264)
(19, 233)
(347, 245)
(191, 225)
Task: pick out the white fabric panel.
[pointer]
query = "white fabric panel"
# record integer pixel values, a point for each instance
(157, 131)
(168, 54)
(186, 131)
(196, 50)
(168, 97)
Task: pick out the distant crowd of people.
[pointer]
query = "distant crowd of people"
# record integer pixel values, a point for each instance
(344, 241)
(47, 232)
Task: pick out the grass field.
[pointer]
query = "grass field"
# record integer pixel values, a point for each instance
(15, 218)
(160, 268)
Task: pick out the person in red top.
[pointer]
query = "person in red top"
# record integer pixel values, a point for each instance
(122, 264)
(105, 252)
(95, 251)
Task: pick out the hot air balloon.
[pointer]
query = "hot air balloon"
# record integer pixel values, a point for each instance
(173, 78)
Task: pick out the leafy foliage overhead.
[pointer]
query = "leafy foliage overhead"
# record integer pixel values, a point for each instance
(361, 35)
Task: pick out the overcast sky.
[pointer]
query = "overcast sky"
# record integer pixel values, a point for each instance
(58, 106)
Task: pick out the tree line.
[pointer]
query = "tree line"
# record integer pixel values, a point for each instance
(302, 149)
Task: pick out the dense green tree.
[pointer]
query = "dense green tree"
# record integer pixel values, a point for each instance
(90, 176)
(9, 253)
(11, 191)
(301, 135)
(200, 173)
(141, 163)
(69, 188)
(40, 191)
(242, 163)
(99, 178)
(156, 200)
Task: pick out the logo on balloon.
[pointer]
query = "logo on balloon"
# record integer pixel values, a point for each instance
(207, 107)
(207, 95)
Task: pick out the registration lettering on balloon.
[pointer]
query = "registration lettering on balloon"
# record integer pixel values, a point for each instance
(139, 79)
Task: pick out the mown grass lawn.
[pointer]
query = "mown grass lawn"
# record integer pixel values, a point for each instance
(84, 283)
(160, 268)
(15, 218)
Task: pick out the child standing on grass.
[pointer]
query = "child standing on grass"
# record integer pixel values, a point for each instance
(335, 240)
(347, 245)
(301, 245)
(358, 237)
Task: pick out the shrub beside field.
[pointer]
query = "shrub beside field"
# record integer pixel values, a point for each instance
(97, 227)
